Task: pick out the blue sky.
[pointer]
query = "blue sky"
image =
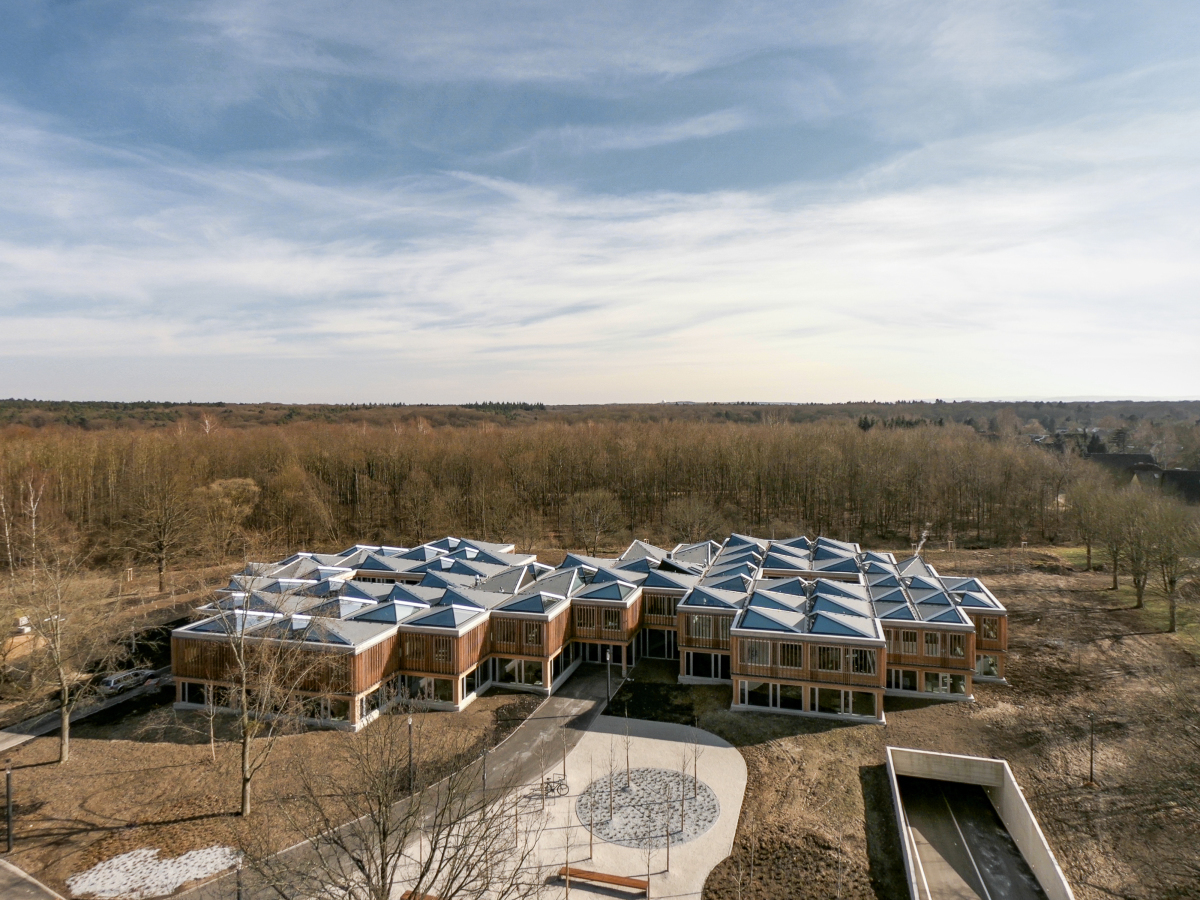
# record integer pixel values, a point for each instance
(587, 202)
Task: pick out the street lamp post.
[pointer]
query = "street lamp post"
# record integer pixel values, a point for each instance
(411, 784)
(608, 682)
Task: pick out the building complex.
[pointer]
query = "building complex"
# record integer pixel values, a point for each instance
(811, 627)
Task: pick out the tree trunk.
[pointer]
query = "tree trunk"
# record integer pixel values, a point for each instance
(1139, 586)
(1088, 544)
(1171, 604)
(245, 773)
(162, 574)
(1115, 560)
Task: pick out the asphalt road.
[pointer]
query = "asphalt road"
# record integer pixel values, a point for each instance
(16, 885)
(26, 731)
(964, 849)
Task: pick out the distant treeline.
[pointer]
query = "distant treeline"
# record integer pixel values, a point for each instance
(161, 495)
(984, 417)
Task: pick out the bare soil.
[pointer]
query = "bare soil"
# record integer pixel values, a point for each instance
(150, 779)
(818, 821)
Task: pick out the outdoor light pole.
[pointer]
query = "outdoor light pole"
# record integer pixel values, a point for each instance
(8, 816)
(411, 783)
(608, 683)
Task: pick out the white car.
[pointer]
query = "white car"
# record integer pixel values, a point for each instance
(124, 681)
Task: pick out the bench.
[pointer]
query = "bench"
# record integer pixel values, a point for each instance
(642, 884)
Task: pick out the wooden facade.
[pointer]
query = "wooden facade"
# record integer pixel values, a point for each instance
(781, 658)
(607, 623)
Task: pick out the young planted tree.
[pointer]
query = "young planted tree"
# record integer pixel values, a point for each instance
(368, 837)
(73, 633)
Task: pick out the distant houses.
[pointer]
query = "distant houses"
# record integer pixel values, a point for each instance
(810, 627)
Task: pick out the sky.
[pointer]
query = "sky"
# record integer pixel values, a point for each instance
(400, 201)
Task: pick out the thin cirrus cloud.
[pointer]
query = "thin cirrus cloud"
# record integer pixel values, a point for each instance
(385, 202)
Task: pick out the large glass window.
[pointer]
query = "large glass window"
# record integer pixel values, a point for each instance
(791, 696)
(829, 700)
(660, 606)
(908, 643)
(935, 683)
(758, 693)
(862, 703)
(989, 628)
(443, 649)
(585, 617)
(509, 673)
(892, 644)
(533, 673)
(612, 620)
(987, 665)
(533, 634)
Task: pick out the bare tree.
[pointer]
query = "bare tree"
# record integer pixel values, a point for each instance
(73, 632)
(224, 506)
(691, 519)
(1176, 543)
(161, 518)
(594, 515)
(366, 834)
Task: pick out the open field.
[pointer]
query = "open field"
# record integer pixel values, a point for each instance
(818, 821)
(149, 779)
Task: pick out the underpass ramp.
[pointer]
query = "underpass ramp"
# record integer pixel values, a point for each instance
(967, 832)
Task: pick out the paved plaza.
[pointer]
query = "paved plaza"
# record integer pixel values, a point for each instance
(696, 797)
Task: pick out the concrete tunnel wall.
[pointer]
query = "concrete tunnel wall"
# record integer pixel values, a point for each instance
(997, 780)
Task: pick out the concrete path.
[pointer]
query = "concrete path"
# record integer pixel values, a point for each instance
(23, 732)
(568, 714)
(16, 885)
(652, 745)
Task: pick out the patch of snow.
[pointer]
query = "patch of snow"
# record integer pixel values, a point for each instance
(140, 874)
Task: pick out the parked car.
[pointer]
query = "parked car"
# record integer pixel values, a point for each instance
(124, 681)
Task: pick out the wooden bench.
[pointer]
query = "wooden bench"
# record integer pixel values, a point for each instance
(642, 884)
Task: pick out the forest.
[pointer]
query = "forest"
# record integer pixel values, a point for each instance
(204, 493)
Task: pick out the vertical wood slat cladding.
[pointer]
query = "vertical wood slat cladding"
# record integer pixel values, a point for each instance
(471, 648)
(809, 671)
(557, 630)
(375, 664)
(320, 669)
(623, 634)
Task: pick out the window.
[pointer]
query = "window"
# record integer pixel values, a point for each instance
(585, 617)
(442, 649)
(902, 679)
(791, 656)
(956, 645)
(791, 696)
(414, 649)
(890, 635)
(723, 625)
(934, 683)
(700, 627)
(660, 606)
(533, 634)
(756, 653)
(861, 704)
(933, 643)
(699, 665)
(862, 662)
(987, 665)
(989, 628)
(828, 700)
(506, 631)
(756, 693)
(829, 659)
(612, 620)
(531, 672)
(908, 643)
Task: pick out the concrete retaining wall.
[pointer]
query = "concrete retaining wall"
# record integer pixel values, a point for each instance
(997, 780)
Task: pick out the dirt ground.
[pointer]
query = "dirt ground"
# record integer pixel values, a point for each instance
(818, 822)
(149, 779)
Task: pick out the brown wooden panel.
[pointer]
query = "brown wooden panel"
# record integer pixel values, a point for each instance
(809, 671)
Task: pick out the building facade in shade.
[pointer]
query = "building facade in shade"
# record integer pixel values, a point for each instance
(812, 627)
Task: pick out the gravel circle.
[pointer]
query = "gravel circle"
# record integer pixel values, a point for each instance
(645, 807)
